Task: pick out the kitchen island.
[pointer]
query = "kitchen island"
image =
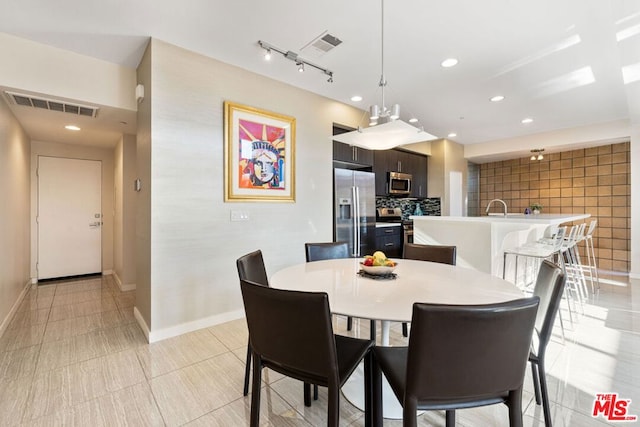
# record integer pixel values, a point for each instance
(481, 241)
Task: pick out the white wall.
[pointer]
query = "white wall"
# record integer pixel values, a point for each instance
(14, 214)
(194, 245)
(635, 202)
(45, 69)
(106, 156)
(124, 222)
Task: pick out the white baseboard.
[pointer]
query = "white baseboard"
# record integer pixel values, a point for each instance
(107, 272)
(634, 275)
(183, 328)
(5, 322)
(141, 322)
(121, 286)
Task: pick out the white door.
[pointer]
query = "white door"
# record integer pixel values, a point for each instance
(69, 217)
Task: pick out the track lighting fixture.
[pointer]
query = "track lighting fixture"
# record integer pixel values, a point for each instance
(536, 154)
(292, 56)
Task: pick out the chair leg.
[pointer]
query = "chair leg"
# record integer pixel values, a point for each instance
(255, 391)
(515, 408)
(307, 394)
(450, 417)
(376, 393)
(247, 370)
(349, 323)
(409, 414)
(545, 394)
(333, 415)
(368, 391)
(315, 392)
(536, 382)
(405, 330)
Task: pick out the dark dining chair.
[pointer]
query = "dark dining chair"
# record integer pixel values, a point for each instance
(549, 287)
(328, 250)
(251, 267)
(458, 357)
(434, 253)
(291, 333)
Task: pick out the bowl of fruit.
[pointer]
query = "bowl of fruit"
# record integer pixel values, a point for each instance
(378, 264)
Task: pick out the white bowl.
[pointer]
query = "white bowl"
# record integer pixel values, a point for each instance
(379, 270)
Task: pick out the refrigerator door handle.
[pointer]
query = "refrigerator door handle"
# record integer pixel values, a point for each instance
(356, 248)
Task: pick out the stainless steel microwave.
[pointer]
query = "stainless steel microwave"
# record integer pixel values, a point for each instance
(399, 183)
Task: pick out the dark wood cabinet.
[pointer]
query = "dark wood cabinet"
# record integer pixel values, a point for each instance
(351, 154)
(385, 161)
(389, 240)
(381, 169)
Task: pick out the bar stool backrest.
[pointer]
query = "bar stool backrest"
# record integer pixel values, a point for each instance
(592, 228)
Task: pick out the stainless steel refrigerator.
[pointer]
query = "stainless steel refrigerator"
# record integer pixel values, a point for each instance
(355, 210)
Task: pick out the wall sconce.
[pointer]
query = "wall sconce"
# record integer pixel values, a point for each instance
(536, 154)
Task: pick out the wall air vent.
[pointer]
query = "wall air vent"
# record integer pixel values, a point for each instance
(51, 104)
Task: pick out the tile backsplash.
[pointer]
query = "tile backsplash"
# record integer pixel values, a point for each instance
(430, 206)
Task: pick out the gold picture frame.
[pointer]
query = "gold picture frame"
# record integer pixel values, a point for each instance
(259, 158)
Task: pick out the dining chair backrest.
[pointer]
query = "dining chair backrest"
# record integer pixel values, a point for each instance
(328, 250)
(549, 288)
(292, 332)
(251, 267)
(435, 253)
(472, 354)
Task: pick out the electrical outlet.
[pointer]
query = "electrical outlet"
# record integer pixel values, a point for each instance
(238, 215)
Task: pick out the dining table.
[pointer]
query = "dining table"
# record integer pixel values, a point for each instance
(390, 298)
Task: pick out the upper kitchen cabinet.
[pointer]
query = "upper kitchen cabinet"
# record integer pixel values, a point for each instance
(386, 161)
(349, 156)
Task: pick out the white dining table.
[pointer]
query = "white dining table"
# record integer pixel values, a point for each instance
(391, 300)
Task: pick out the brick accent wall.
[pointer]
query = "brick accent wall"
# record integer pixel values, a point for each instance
(593, 180)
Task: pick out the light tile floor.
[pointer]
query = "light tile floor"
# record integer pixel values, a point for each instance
(73, 355)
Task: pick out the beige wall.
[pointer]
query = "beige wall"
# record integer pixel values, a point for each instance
(594, 180)
(106, 156)
(124, 222)
(193, 244)
(446, 157)
(14, 215)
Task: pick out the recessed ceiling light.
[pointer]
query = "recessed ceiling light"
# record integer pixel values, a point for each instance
(452, 135)
(71, 127)
(449, 62)
(497, 98)
(413, 120)
(527, 121)
(356, 98)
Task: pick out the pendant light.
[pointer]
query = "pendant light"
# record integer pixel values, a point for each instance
(385, 130)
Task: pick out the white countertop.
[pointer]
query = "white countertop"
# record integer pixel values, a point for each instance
(548, 219)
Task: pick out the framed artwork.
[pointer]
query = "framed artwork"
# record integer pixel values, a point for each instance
(259, 155)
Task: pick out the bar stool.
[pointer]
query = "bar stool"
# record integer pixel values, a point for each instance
(591, 268)
(576, 282)
(550, 248)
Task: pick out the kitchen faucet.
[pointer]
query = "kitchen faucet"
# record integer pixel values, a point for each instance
(497, 200)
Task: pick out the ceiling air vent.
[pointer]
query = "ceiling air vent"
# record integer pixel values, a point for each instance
(321, 44)
(51, 104)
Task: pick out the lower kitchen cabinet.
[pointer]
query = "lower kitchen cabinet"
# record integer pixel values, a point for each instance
(389, 240)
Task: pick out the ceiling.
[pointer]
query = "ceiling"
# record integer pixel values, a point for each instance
(562, 63)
